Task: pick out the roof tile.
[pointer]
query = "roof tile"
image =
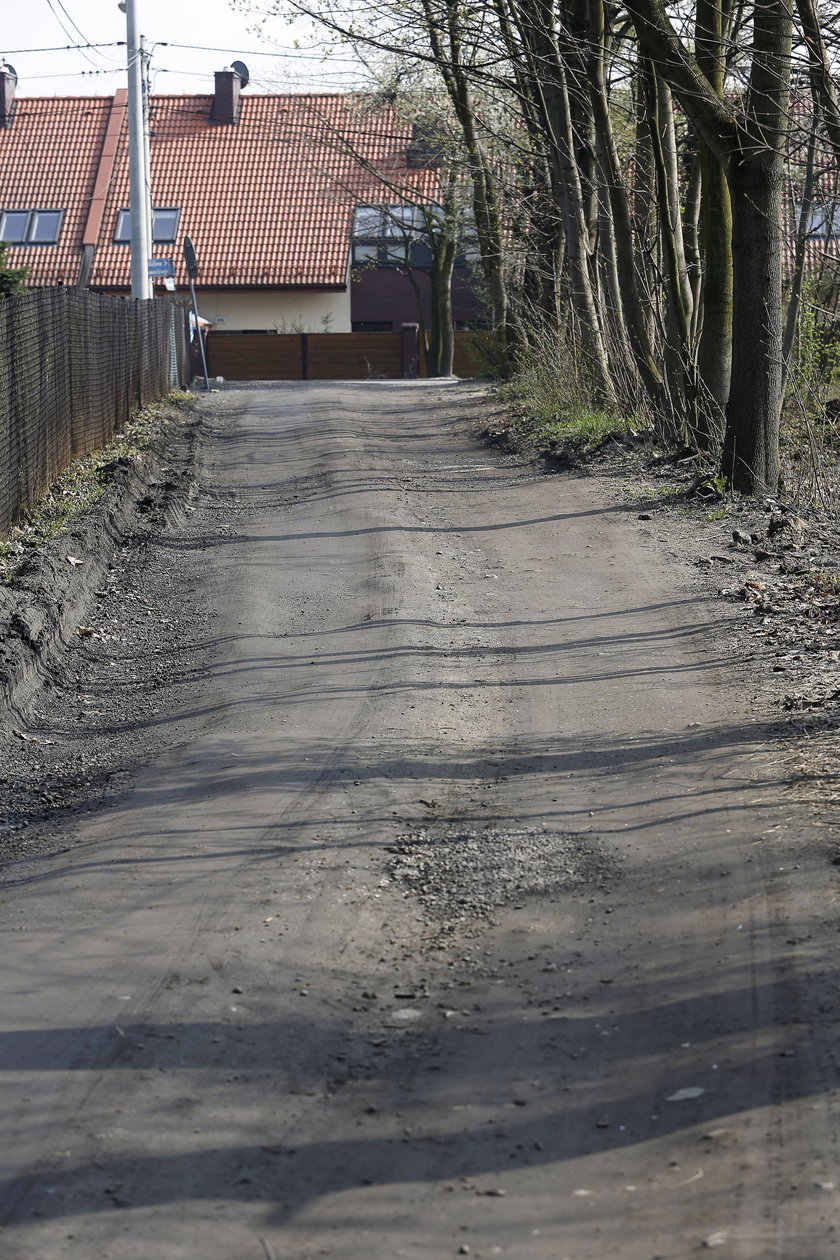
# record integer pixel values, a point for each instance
(267, 202)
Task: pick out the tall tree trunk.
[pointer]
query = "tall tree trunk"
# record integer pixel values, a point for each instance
(442, 231)
(644, 195)
(691, 231)
(756, 180)
(568, 152)
(631, 296)
(802, 224)
(623, 372)
(678, 297)
(821, 78)
(714, 354)
(486, 211)
(442, 340)
(577, 235)
(541, 281)
(752, 149)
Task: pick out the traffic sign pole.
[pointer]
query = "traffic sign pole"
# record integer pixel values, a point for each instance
(192, 272)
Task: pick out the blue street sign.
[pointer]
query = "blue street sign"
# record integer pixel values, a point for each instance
(161, 267)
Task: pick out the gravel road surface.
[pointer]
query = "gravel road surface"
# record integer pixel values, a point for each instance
(408, 874)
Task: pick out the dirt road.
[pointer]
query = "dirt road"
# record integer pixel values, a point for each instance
(461, 908)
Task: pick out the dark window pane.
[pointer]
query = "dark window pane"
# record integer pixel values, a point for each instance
(421, 254)
(367, 221)
(122, 236)
(164, 225)
(13, 227)
(45, 227)
(365, 253)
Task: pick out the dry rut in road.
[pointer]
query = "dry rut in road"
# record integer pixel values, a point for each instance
(460, 910)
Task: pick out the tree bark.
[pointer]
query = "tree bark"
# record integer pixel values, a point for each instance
(486, 213)
(824, 88)
(619, 200)
(751, 148)
(569, 155)
(756, 180)
(714, 353)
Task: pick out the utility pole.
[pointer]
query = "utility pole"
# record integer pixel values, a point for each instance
(137, 172)
(147, 161)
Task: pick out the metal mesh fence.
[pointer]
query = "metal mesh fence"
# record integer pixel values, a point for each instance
(74, 367)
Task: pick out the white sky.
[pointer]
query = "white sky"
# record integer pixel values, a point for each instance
(215, 24)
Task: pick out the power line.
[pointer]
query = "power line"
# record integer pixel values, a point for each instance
(301, 54)
(253, 52)
(68, 74)
(69, 35)
(18, 52)
(79, 31)
(72, 21)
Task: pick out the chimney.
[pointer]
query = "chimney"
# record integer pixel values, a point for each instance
(226, 102)
(8, 83)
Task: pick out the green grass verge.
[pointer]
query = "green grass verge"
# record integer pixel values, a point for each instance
(552, 402)
(577, 426)
(580, 429)
(83, 482)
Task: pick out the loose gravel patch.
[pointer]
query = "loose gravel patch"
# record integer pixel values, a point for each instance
(460, 873)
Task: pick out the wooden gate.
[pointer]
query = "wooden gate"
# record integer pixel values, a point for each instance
(305, 356)
(380, 356)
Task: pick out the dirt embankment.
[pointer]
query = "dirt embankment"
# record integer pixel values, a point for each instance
(92, 625)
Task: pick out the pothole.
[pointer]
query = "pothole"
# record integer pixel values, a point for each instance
(462, 873)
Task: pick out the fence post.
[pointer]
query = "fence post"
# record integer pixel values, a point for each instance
(410, 351)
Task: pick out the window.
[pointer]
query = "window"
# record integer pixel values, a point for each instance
(14, 226)
(392, 236)
(366, 220)
(364, 252)
(383, 222)
(30, 227)
(824, 222)
(384, 254)
(164, 226)
(372, 325)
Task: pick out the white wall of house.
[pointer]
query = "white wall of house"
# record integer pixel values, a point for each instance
(276, 310)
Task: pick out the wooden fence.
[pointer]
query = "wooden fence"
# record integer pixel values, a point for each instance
(328, 356)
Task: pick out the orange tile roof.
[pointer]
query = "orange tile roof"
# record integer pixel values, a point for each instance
(48, 161)
(267, 202)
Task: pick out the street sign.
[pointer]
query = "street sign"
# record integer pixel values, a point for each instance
(161, 267)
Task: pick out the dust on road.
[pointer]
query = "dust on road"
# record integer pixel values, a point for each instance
(449, 901)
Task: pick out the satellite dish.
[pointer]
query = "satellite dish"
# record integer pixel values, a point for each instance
(4, 65)
(242, 70)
